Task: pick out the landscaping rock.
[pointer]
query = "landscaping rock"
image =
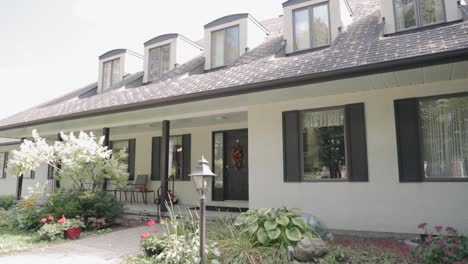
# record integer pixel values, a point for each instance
(309, 249)
(315, 222)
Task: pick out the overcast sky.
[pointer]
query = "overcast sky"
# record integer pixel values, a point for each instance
(50, 47)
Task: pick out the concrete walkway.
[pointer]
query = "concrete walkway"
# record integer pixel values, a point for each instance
(106, 248)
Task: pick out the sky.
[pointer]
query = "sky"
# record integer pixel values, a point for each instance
(51, 47)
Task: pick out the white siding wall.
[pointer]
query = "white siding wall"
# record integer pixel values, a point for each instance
(382, 204)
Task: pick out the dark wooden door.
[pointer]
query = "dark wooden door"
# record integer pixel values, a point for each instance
(236, 165)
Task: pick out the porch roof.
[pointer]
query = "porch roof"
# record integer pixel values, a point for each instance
(359, 50)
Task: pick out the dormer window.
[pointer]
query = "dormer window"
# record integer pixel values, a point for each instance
(110, 73)
(418, 13)
(159, 61)
(311, 27)
(225, 46)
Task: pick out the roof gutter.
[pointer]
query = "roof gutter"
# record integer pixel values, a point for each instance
(362, 70)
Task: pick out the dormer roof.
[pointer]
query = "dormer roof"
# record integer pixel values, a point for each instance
(112, 53)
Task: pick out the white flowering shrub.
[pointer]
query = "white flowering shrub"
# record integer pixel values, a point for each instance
(83, 159)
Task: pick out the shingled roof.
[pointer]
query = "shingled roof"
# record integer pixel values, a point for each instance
(361, 45)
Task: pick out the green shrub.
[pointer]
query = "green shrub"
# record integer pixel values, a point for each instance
(50, 231)
(86, 205)
(236, 248)
(179, 244)
(281, 227)
(25, 214)
(7, 201)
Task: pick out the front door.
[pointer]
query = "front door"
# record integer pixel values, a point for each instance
(236, 165)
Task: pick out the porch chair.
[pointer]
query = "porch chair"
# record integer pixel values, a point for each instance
(139, 186)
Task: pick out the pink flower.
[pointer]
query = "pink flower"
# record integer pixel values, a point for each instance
(441, 242)
(455, 247)
(50, 218)
(144, 235)
(438, 228)
(422, 225)
(62, 220)
(43, 220)
(150, 223)
(429, 239)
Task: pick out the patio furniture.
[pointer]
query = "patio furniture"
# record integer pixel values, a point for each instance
(139, 187)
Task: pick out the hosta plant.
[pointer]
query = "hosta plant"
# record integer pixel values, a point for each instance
(274, 227)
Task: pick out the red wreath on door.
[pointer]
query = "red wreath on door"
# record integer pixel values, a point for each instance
(236, 156)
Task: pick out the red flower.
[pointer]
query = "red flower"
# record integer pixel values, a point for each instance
(50, 217)
(449, 229)
(43, 220)
(422, 225)
(151, 222)
(62, 220)
(438, 228)
(455, 247)
(429, 239)
(441, 242)
(144, 235)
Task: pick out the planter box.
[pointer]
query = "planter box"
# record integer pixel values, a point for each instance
(73, 233)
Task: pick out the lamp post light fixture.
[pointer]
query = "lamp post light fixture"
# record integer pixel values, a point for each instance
(199, 176)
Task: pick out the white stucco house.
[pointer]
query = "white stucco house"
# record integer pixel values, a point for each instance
(356, 111)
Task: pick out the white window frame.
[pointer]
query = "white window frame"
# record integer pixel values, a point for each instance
(418, 16)
(224, 45)
(160, 61)
(310, 8)
(111, 61)
(3, 164)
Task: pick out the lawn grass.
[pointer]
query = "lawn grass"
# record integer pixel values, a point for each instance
(14, 241)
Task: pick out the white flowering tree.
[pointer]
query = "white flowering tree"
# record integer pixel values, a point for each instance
(83, 159)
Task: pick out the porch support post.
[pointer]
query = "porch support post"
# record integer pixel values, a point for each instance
(105, 133)
(164, 170)
(59, 165)
(19, 182)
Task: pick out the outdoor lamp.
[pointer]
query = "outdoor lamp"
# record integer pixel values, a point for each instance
(199, 176)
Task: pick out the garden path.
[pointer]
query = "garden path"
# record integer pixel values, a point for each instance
(106, 248)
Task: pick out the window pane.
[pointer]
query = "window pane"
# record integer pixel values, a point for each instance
(106, 75)
(218, 160)
(405, 13)
(217, 47)
(154, 61)
(324, 144)
(431, 11)
(232, 44)
(444, 134)
(321, 27)
(165, 58)
(301, 30)
(117, 146)
(2, 164)
(175, 157)
(116, 71)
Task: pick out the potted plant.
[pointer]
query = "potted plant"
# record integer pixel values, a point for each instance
(71, 227)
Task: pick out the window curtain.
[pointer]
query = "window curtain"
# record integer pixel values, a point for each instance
(444, 132)
(326, 118)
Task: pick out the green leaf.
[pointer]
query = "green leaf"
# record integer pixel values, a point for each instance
(264, 211)
(251, 219)
(293, 234)
(282, 220)
(262, 236)
(240, 220)
(274, 234)
(253, 228)
(270, 225)
(299, 222)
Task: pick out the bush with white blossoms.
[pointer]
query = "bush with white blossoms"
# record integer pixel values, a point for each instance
(83, 159)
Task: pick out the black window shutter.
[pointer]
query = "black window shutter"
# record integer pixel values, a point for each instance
(291, 146)
(408, 144)
(355, 125)
(131, 159)
(155, 161)
(186, 154)
(5, 166)
(50, 172)
(33, 174)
